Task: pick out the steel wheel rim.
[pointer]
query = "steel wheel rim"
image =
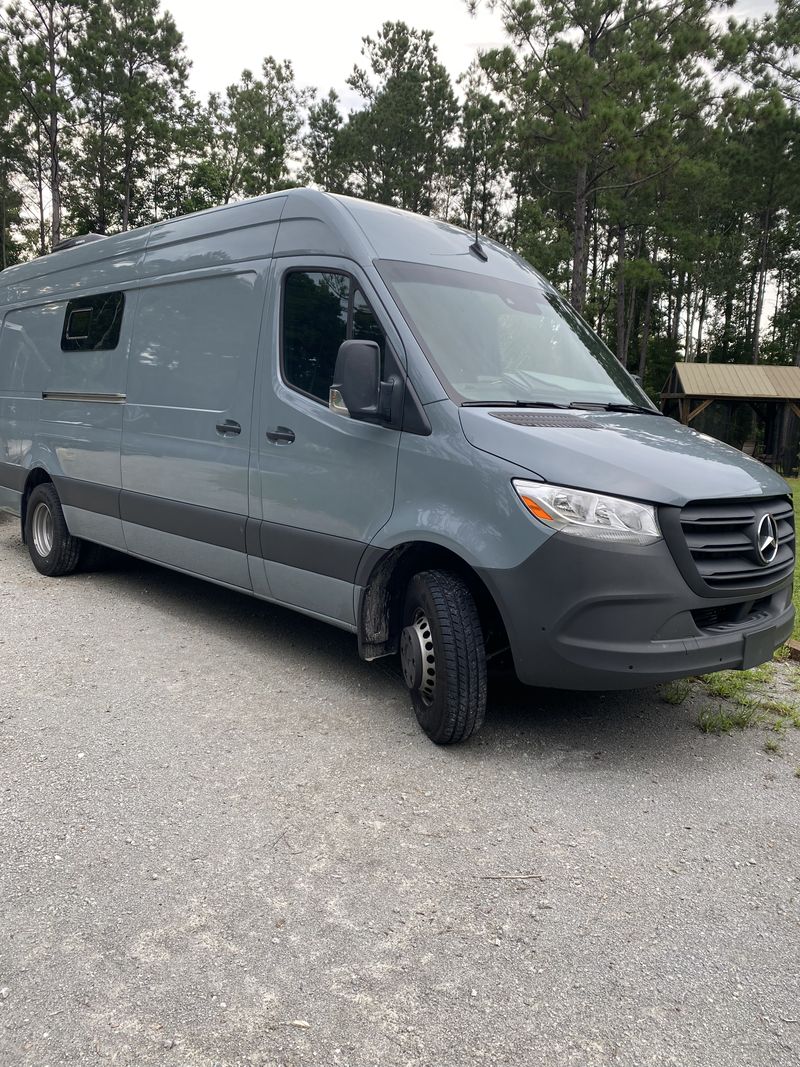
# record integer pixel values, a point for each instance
(42, 529)
(417, 645)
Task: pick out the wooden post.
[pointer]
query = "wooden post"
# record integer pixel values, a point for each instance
(700, 408)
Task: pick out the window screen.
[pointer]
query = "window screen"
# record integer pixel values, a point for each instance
(320, 310)
(93, 323)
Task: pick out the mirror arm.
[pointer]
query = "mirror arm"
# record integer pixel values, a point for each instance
(385, 398)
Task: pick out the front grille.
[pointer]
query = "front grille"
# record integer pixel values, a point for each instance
(721, 537)
(732, 616)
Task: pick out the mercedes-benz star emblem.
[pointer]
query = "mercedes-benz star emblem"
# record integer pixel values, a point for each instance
(767, 540)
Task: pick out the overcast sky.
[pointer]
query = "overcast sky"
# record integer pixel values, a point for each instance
(322, 38)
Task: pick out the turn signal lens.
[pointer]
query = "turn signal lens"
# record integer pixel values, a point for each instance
(580, 513)
(536, 509)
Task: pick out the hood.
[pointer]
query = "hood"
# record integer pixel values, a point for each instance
(644, 457)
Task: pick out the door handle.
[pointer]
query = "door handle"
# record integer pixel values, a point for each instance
(281, 435)
(228, 428)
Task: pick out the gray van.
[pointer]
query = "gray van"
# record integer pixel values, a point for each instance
(381, 421)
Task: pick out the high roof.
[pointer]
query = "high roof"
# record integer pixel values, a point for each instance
(733, 380)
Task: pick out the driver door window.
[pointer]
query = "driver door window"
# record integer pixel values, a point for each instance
(320, 310)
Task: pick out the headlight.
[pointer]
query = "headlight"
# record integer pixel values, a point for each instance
(582, 514)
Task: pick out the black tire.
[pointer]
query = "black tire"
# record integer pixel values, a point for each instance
(64, 552)
(94, 557)
(440, 620)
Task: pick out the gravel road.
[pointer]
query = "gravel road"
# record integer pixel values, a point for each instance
(224, 841)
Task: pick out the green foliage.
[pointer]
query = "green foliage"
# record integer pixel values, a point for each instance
(398, 141)
(640, 153)
(723, 719)
(326, 160)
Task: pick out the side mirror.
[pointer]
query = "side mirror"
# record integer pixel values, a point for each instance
(357, 390)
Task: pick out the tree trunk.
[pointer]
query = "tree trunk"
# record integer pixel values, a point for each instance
(595, 249)
(675, 324)
(127, 183)
(102, 218)
(691, 304)
(621, 351)
(726, 330)
(578, 285)
(40, 192)
(761, 286)
(632, 319)
(601, 299)
(645, 338)
(52, 135)
(748, 332)
(700, 324)
(3, 253)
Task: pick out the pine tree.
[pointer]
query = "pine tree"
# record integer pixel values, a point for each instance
(398, 142)
(324, 146)
(42, 34)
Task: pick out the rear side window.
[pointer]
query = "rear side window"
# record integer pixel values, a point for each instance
(320, 310)
(93, 323)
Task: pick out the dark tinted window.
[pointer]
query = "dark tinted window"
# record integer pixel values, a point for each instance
(365, 326)
(320, 310)
(92, 323)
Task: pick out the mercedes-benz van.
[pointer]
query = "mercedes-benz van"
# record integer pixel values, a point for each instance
(378, 420)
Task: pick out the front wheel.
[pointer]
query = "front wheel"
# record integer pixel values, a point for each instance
(443, 656)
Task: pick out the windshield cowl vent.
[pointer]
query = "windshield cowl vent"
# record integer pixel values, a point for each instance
(545, 420)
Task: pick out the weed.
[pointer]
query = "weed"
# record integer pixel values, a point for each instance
(744, 714)
(759, 675)
(731, 685)
(676, 692)
(789, 713)
(771, 745)
(723, 720)
(747, 687)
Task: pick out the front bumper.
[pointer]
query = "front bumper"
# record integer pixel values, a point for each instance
(582, 615)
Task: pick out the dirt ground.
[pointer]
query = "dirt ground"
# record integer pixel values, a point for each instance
(224, 841)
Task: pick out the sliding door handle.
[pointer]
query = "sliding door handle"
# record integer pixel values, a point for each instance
(228, 428)
(281, 435)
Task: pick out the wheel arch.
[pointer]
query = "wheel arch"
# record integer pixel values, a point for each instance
(383, 579)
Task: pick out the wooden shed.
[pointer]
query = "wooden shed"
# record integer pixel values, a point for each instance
(770, 395)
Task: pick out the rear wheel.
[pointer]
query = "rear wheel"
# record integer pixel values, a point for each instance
(443, 656)
(53, 549)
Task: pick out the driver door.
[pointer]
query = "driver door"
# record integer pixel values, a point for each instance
(324, 484)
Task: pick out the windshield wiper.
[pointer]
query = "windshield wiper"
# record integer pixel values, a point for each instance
(637, 409)
(513, 404)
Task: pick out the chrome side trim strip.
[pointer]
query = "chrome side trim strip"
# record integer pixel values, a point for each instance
(89, 398)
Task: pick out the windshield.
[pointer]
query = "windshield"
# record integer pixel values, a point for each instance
(492, 340)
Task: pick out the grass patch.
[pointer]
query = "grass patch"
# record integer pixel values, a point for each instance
(771, 745)
(747, 701)
(676, 692)
(738, 685)
(724, 719)
(787, 714)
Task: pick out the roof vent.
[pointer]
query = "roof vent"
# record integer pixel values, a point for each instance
(75, 242)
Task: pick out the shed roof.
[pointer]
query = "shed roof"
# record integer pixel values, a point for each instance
(735, 380)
